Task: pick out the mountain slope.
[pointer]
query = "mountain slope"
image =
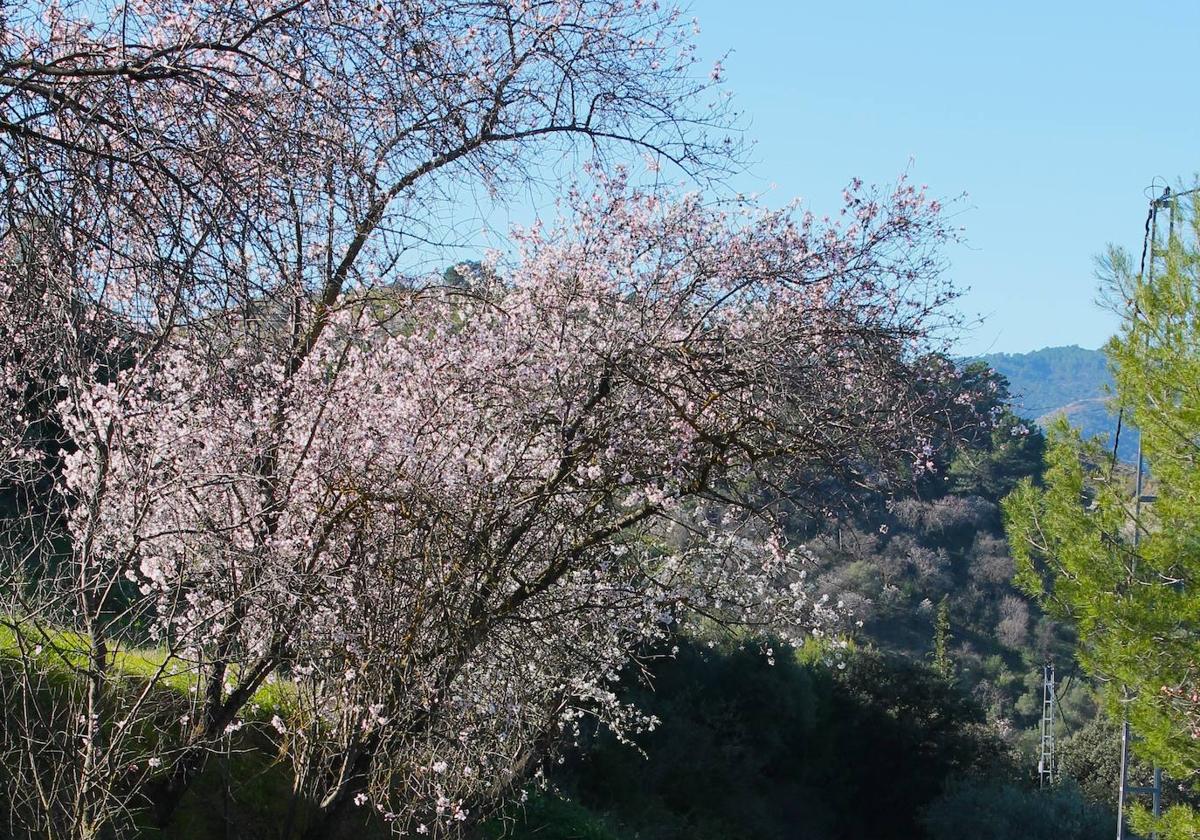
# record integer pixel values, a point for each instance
(1064, 380)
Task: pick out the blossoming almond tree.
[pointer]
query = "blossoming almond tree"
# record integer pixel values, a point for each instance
(165, 159)
(411, 535)
(443, 529)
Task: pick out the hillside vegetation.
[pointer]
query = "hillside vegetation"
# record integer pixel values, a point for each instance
(671, 519)
(1043, 381)
(934, 709)
(1071, 382)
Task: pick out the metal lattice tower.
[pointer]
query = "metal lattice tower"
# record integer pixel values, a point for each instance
(1046, 762)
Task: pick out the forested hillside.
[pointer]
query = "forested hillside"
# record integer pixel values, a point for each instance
(1046, 380)
(1068, 381)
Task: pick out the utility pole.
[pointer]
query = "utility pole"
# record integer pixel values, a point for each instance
(1046, 762)
(1140, 496)
(1155, 789)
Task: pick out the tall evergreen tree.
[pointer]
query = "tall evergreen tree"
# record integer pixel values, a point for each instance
(1134, 601)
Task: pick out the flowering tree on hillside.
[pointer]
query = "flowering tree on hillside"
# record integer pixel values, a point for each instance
(459, 540)
(410, 533)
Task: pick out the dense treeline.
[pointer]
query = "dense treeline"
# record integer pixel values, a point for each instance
(1071, 382)
(751, 750)
(1052, 377)
(818, 745)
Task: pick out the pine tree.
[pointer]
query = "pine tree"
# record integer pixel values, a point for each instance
(1134, 601)
(942, 663)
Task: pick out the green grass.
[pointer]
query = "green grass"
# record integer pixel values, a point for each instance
(244, 791)
(61, 654)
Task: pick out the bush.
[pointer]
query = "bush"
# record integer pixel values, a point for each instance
(548, 817)
(987, 810)
(752, 751)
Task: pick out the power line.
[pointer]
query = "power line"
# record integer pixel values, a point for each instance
(1147, 245)
(1146, 273)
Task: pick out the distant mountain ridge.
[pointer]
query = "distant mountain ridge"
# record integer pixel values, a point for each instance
(1064, 380)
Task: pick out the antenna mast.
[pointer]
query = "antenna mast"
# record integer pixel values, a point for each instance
(1046, 762)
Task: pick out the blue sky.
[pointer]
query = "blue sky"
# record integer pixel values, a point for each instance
(1052, 116)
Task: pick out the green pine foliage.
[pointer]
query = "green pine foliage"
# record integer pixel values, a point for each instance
(1134, 602)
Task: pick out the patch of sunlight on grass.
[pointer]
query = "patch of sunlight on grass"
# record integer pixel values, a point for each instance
(65, 654)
